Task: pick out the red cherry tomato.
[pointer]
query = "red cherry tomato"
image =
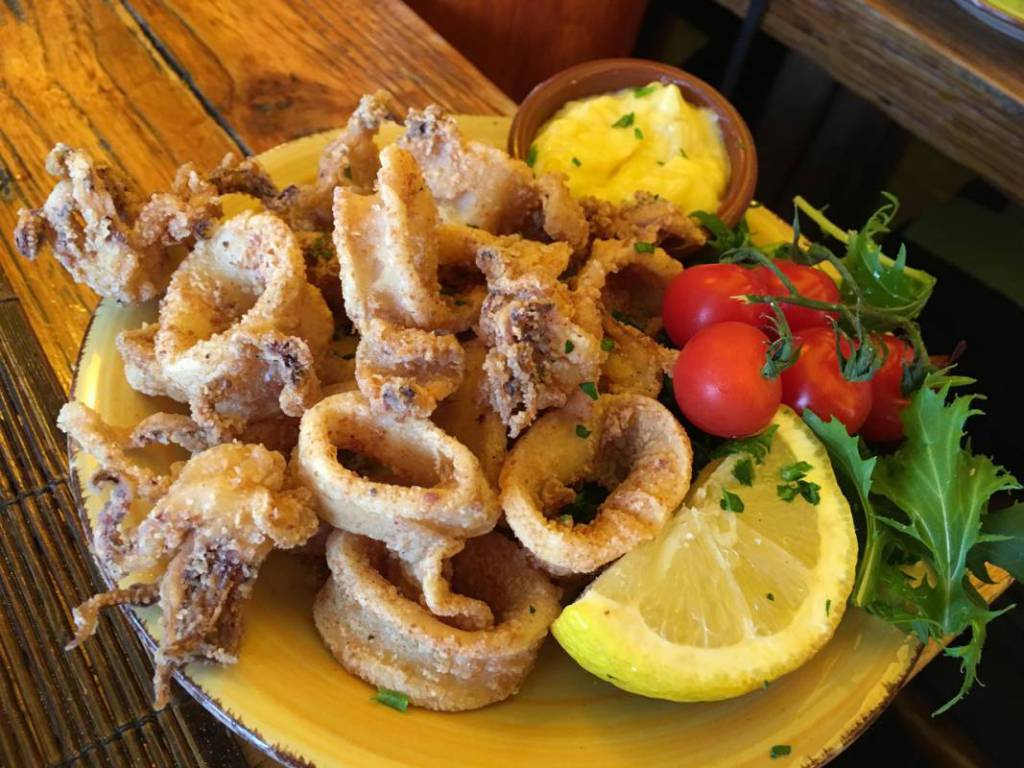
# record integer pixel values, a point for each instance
(887, 401)
(718, 383)
(809, 282)
(816, 382)
(702, 295)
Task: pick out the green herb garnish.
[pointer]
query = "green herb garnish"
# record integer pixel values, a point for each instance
(755, 446)
(589, 389)
(794, 471)
(393, 699)
(682, 153)
(576, 162)
(779, 750)
(646, 90)
(730, 502)
(582, 432)
(743, 471)
(531, 155)
(569, 346)
(828, 606)
(641, 247)
(638, 134)
(625, 121)
(607, 344)
(771, 597)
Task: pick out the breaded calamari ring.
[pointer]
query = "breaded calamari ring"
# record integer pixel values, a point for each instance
(371, 619)
(629, 444)
(240, 330)
(420, 491)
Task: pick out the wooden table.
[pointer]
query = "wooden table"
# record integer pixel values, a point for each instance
(934, 69)
(145, 85)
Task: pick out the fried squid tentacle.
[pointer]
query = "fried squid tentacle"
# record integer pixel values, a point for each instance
(106, 239)
(633, 449)
(374, 622)
(349, 161)
(403, 482)
(211, 527)
(483, 187)
(648, 218)
(538, 354)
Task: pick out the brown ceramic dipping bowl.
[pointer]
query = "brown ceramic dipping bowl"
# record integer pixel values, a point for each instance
(606, 75)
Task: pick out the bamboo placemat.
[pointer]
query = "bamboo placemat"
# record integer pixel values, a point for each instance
(91, 706)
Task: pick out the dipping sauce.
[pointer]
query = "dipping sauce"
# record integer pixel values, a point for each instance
(648, 138)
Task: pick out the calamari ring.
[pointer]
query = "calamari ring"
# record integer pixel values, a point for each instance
(240, 329)
(633, 446)
(370, 619)
(433, 494)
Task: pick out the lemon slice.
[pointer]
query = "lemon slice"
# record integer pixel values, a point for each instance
(722, 601)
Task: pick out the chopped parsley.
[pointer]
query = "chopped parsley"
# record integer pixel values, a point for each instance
(639, 134)
(646, 90)
(625, 121)
(786, 492)
(393, 699)
(533, 609)
(743, 471)
(828, 607)
(661, 162)
(589, 389)
(607, 344)
(810, 492)
(565, 519)
(771, 597)
(795, 471)
(320, 249)
(641, 247)
(756, 446)
(531, 155)
(576, 162)
(730, 502)
(682, 153)
(779, 750)
(582, 432)
(569, 346)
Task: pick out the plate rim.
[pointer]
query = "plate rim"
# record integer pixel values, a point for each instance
(235, 723)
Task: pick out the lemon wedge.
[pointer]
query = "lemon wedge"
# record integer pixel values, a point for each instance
(724, 601)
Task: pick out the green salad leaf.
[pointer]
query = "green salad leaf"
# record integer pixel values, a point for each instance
(1002, 543)
(879, 282)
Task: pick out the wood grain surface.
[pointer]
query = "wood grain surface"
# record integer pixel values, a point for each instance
(275, 71)
(81, 72)
(147, 87)
(934, 69)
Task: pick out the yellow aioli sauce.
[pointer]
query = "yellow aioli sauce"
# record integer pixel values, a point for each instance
(649, 139)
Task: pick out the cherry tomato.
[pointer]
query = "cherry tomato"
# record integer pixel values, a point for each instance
(718, 383)
(702, 295)
(816, 382)
(809, 282)
(887, 401)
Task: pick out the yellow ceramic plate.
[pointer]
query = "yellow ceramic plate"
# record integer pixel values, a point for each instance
(289, 696)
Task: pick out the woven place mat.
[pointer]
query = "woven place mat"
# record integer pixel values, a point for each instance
(91, 706)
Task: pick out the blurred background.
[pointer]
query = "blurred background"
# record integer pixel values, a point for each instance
(923, 98)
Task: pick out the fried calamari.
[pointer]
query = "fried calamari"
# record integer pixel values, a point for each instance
(213, 522)
(348, 161)
(481, 186)
(372, 619)
(240, 330)
(629, 446)
(388, 251)
(403, 482)
(538, 353)
(618, 292)
(108, 239)
(647, 218)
